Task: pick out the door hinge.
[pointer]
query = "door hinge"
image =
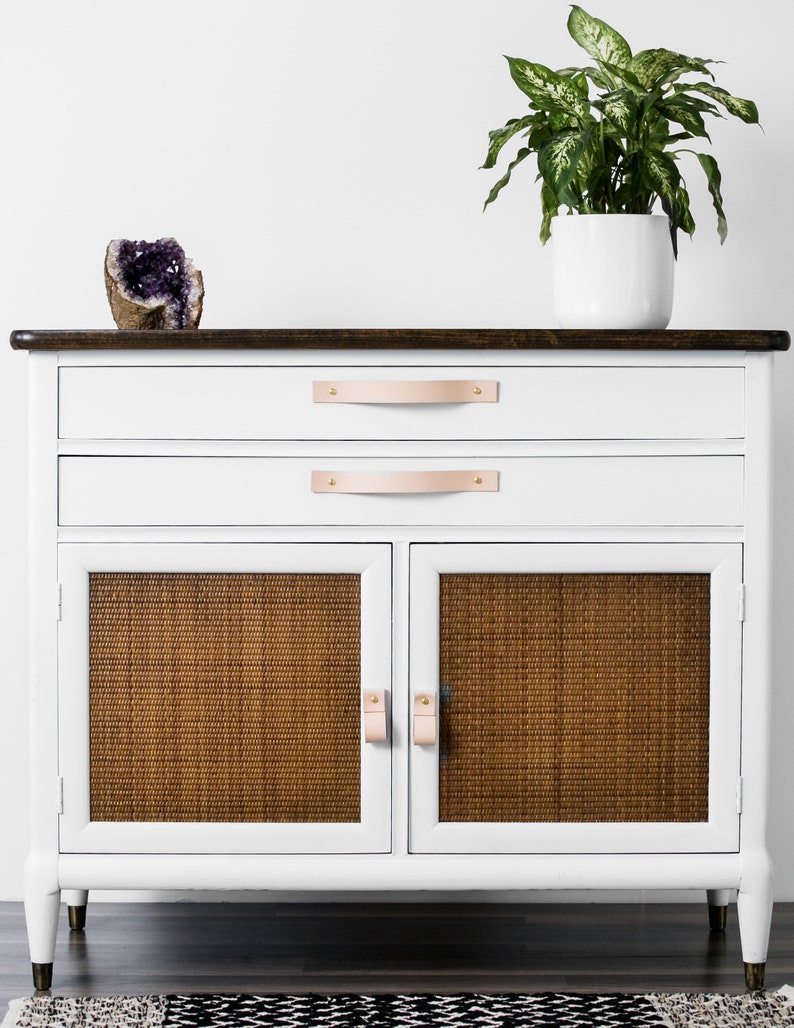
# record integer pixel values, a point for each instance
(58, 601)
(739, 794)
(59, 795)
(742, 596)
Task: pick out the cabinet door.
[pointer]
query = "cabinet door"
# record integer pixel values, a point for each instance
(587, 697)
(210, 697)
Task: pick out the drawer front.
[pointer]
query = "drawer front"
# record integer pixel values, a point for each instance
(401, 403)
(511, 491)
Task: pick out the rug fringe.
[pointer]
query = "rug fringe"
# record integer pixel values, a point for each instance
(674, 1010)
(786, 991)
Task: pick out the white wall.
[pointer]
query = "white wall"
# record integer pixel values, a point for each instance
(319, 161)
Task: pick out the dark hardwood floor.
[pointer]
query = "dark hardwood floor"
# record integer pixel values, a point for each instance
(391, 947)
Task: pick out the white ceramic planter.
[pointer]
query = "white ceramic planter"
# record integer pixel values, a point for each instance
(612, 270)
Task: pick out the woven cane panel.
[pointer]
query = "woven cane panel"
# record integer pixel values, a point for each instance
(225, 697)
(574, 697)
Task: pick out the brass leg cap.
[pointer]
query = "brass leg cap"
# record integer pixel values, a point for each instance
(718, 917)
(42, 977)
(754, 976)
(76, 918)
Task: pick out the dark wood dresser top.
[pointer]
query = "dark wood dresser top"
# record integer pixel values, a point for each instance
(399, 339)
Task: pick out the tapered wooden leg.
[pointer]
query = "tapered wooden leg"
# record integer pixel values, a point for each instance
(41, 915)
(76, 901)
(754, 904)
(718, 908)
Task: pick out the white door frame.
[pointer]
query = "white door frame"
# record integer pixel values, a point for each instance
(78, 834)
(719, 834)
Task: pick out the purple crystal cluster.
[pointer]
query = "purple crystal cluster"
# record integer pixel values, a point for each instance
(157, 277)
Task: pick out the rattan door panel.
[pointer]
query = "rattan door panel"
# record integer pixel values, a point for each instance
(222, 687)
(572, 491)
(277, 403)
(580, 706)
(235, 697)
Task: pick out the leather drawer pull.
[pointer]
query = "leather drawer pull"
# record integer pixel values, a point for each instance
(374, 705)
(424, 719)
(466, 481)
(443, 391)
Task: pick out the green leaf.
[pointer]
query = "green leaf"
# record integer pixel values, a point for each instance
(549, 207)
(598, 78)
(558, 160)
(577, 77)
(522, 154)
(681, 93)
(654, 68)
(683, 215)
(598, 186)
(548, 90)
(620, 108)
(677, 109)
(499, 137)
(714, 179)
(746, 110)
(622, 75)
(680, 217)
(659, 170)
(603, 43)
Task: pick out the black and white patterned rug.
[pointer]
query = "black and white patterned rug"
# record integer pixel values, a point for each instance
(544, 1010)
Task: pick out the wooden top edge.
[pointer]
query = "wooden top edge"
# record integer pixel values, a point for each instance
(399, 339)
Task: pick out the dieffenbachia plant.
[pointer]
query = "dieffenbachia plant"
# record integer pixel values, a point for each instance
(616, 152)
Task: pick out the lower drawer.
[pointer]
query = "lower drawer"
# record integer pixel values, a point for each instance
(524, 491)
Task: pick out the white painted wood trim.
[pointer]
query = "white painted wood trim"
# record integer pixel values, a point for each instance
(447, 358)
(464, 872)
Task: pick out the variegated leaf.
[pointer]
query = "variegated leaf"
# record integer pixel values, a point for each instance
(744, 109)
(546, 89)
(599, 40)
(661, 174)
(683, 93)
(622, 76)
(522, 154)
(500, 136)
(683, 214)
(559, 158)
(597, 77)
(653, 68)
(684, 114)
(714, 179)
(577, 77)
(620, 108)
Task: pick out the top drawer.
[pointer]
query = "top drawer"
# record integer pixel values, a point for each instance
(401, 403)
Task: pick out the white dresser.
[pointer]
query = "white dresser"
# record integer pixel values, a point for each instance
(439, 610)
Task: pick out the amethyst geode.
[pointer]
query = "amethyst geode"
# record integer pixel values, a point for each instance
(152, 285)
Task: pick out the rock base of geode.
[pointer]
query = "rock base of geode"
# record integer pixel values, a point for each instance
(152, 285)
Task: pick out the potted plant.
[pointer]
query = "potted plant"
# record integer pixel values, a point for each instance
(615, 151)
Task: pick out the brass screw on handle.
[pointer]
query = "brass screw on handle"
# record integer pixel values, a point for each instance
(477, 480)
(373, 699)
(332, 391)
(424, 699)
(477, 391)
(332, 481)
